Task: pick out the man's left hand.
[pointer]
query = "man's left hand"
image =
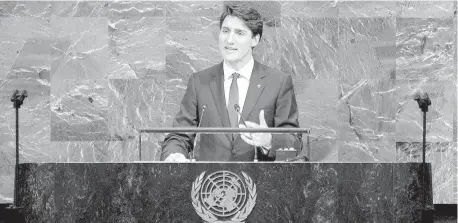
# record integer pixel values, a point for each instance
(261, 139)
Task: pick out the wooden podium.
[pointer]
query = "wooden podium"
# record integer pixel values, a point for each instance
(191, 192)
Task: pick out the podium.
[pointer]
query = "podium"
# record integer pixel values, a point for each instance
(182, 192)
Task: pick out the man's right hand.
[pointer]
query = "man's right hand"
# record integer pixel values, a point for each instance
(176, 157)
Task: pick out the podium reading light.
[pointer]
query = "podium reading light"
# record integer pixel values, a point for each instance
(423, 102)
(17, 98)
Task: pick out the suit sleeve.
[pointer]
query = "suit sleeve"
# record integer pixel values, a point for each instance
(286, 116)
(186, 117)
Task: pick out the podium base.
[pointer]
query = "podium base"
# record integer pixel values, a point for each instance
(427, 215)
(12, 213)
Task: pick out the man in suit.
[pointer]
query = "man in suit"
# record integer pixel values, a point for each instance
(264, 95)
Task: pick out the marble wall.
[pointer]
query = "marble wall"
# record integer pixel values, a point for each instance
(98, 71)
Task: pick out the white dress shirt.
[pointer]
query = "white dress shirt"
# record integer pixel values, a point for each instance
(242, 82)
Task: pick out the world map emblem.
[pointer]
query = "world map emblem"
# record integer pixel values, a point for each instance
(223, 196)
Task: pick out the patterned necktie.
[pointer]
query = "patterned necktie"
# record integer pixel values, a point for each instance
(233, 100)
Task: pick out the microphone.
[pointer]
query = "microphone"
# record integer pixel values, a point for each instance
(237, 109)
(195, 138)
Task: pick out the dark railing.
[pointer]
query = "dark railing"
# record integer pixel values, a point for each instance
(225, 130)
(219, 130)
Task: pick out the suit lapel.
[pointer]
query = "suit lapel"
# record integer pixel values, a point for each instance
(257, 84)
(217, 89)
(255, 88)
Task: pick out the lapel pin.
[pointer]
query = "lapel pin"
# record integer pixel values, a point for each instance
(259, 86)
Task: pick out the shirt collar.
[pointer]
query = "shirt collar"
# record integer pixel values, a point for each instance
(245, 71)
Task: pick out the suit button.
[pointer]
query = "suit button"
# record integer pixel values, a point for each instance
(233, 151)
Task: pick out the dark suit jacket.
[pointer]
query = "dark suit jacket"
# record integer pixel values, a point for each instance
(269, 89)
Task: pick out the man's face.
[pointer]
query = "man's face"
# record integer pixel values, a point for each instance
(236, 40)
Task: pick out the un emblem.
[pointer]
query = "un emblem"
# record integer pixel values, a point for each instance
(223, 197)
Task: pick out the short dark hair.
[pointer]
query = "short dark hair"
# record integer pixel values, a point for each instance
(247, 14)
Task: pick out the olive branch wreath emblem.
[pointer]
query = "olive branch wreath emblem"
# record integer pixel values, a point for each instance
(238, 217)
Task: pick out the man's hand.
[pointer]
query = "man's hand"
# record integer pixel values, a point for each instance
(264, 140)
(176, 157)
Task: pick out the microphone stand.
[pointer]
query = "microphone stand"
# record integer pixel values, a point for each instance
(237, 109)
(17, 99)
(193, 158)
(423, 103)
(255, 153)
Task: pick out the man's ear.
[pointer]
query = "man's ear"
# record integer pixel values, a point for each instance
(255, 40)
